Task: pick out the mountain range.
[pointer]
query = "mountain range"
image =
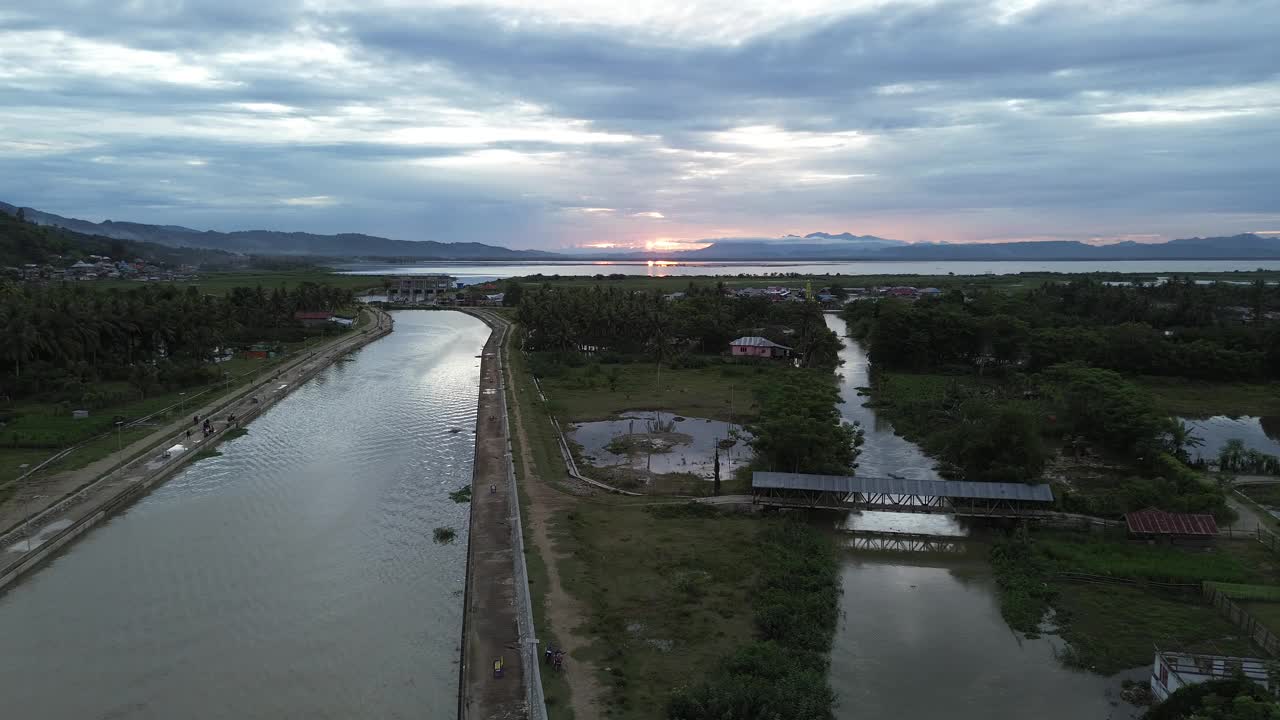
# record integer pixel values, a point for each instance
(267, 242)
(815, 246)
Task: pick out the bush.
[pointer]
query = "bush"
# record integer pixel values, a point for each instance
(784, 673)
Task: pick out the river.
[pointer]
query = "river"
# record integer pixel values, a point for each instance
(478, 272)
(921, 635)
(293, 576)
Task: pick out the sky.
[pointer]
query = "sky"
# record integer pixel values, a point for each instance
(572, 123)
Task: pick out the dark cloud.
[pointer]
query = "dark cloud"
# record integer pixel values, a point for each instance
(483, 124)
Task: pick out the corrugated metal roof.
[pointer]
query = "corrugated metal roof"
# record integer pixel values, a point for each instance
(894, 486)
(1159, 522)
(755, 341)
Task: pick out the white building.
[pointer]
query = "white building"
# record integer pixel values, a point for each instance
(1173, 670)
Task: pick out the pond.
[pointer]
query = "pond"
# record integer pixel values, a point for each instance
(662, 443)
(1257, 433)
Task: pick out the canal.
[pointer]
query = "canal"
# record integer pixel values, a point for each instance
(921, 635)
(294, 575)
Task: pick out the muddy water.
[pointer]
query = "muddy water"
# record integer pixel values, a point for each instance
(689, 447)
(921, 636)
(294, 576)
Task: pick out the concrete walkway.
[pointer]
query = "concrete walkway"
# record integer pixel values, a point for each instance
(491, 631)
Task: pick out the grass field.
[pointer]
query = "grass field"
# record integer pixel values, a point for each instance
(681, 605)
(219, 283)
(720, 392)
(1198, 398)
(666, 594)
(1113, 628)
(1075, 553)
(1267, 612)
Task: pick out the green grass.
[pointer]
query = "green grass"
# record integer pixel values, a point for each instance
(1262, 593)
(1199, 398)
(220, 283)
(544, 454)
(680, 578)
(720, 392)
(1144, 562)
(1266, 612)
(668, 596)
(1113, 628)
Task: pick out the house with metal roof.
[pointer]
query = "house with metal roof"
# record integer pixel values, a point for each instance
(755, 346)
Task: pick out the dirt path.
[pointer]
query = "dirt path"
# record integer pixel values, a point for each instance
(563, 612)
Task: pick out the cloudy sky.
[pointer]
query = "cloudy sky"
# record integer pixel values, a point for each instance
(560, 123)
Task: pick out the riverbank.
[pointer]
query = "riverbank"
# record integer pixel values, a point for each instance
(133, 471)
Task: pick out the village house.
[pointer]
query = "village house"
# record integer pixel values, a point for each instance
(755, 346)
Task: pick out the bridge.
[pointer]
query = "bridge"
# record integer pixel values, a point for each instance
(953, 497)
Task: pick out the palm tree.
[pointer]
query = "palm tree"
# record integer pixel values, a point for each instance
(1179, 439)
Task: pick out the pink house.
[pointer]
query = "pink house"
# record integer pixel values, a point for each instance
(758, 347)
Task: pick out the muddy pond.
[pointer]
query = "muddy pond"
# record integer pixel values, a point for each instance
(662, 443)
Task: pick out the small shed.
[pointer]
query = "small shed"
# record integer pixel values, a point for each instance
(1180, 528)
(312, 319)
(755, 346)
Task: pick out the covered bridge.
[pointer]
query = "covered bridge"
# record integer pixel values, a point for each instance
(846, 492)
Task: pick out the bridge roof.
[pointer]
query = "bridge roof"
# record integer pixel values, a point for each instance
(894, 486)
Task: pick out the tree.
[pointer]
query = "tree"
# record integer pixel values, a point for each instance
(512, 294)
(716, 490)
(799, 429)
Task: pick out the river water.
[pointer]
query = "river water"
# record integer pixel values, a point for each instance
(921, 635)
(294, 576)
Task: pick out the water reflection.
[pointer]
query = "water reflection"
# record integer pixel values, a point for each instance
(1257, 433)
(921, 634)
(883, 453)
(293, 576)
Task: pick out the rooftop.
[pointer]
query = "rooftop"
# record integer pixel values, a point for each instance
(894, 486)
(1158, 522)
(757, 341)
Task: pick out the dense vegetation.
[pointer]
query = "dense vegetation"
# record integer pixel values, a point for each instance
(61, 340)
(1230, 699)
(1178, 328)
(610, 321)
(23, 242)
(783, 672)
(1053, 369)
(800, 430)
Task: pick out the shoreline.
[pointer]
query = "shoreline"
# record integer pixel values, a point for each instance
(128, 480)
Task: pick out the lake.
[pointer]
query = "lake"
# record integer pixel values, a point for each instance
(478, 272)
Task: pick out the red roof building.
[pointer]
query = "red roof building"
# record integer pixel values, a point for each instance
(1152, 523)
(311, 319)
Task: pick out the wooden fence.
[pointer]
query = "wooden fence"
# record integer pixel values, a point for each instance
(1258, 632)
(1132, 582)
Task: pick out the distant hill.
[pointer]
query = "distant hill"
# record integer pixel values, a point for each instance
(868, 247)
(23, 242)
(814, 246)
(266, 242)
